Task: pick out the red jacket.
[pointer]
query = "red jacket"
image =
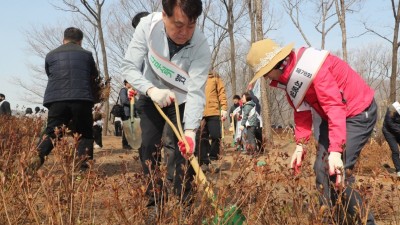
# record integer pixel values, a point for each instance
(336, 93)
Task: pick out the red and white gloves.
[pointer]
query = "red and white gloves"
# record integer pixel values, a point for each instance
(190, 137)
(163, 97)
(224, 115)
(297, 159)
(131, 93)
(335, 163)
(336, 166)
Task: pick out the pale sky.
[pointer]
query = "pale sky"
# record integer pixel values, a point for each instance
(19, 15)
(15, 17)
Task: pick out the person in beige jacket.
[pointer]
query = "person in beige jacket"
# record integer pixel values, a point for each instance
(215, 111)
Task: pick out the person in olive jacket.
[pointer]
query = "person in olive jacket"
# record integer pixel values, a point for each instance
(71, 72)
(391, 131)
(215, 111)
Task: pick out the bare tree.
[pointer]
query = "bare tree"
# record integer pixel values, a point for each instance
(321, 19)
(265, 89)
(343, 6)
(93, 13)
(293, 9)
(234, 10)
(40, 40)
(395, 47)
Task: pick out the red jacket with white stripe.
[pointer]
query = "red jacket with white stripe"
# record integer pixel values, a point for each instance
(336, 93)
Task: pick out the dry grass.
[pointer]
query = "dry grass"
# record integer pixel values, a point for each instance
(112, 192)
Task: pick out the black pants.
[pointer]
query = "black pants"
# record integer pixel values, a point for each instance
(210, 128)
(77, 115)
(124, 141)
(97, 131)
(358, 131)
(170, 145)
(393, 142)
(118, 128)
(152, 125)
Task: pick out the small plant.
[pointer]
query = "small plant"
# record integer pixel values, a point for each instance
(113, 192)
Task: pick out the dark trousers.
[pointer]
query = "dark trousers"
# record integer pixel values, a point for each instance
(170, 145)
(124, 141)
(210, 128)
(358, 131)
(258, 136)
(77, 115)
(97, 130)
(393, 142)
(152, 125)
(118, 128)
(251, 138)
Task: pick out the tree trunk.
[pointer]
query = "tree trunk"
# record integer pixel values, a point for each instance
(106, 75)
(341, 13)
(232, 44)
(395, 49)
(268, 141)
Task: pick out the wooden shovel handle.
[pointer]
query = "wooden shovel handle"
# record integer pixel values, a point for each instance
(200, 177)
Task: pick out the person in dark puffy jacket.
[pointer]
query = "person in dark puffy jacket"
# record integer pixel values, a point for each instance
(71, 72)
(391, 131)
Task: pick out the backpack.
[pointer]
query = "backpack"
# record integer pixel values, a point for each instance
(118, 110)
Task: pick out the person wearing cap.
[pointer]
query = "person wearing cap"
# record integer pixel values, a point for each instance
(4, 106)
(317, 79)
(215, 111)
(176, 59)
(391, 131)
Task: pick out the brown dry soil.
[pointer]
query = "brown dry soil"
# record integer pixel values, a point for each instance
(375, 167)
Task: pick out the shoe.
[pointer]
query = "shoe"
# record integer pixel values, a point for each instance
(205, 168)
(96, 146)
(215, 166)
(84, 166)
(34, 164)
(151, 217)
(127, 147)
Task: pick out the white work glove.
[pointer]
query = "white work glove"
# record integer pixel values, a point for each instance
(241, 127)
(163, 97)
(190, 137)
(336, 166)
(224, 114)
(297, 159)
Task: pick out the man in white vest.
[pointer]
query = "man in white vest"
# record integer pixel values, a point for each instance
(317, 79)
(176, 59)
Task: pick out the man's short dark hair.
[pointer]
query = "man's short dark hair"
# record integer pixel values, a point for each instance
(73, 34)
(137, 17)
(191, 8)
(37, 109)
(3, 96)
(28, 111)
(236, 97)
(247, 96)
